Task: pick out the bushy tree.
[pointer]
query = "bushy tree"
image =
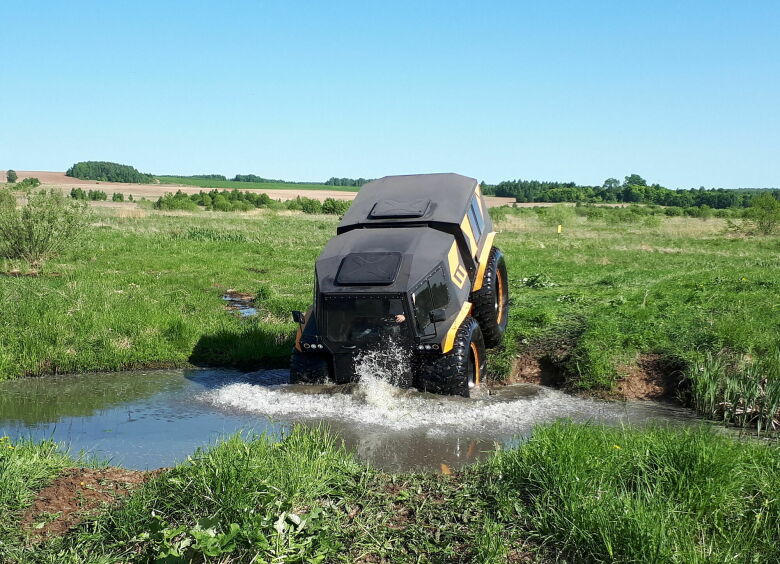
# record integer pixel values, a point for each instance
(11, 176)
(28, 184)
(40, 228)
(117, 197)
(764, 213)
(177, 201)
(334, 206)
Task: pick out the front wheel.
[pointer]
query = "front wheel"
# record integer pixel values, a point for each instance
(491, 301)
(458, 371)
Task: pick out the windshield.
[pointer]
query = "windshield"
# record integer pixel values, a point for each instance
(364, 319)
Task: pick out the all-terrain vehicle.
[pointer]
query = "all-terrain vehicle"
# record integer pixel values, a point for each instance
(412, 265)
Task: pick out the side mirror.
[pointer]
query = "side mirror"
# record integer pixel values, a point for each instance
(298, 317)
(438, 315)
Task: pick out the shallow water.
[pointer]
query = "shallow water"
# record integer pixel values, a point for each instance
(157, 418)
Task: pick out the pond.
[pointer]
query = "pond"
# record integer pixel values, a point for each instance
(151, 419)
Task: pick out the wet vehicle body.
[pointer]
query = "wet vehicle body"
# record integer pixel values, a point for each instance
(412, 266)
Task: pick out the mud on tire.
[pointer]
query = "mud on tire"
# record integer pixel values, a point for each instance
(308, 368)
(456, 372)
(491, 301)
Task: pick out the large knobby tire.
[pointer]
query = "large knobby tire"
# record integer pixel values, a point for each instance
(308, 368)
(459, 370)
(491, 301)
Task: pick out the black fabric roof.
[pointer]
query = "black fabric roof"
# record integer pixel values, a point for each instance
(410, 198)
(418, 251)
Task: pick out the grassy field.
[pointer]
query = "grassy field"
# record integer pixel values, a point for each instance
(230, 184)
(614, 296)
(600, 301)
(572, 493)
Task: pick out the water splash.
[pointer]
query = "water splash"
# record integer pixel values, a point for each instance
(380, 373)
(514, 409)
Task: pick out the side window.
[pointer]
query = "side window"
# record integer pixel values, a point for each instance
(440, 296)
(423, 305)
(476, 218)
(431, 294)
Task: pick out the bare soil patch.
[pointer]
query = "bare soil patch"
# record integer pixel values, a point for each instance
(76, 495)
(649, 377)
(542, 362)
(652, 376)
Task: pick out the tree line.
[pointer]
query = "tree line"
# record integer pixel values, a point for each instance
(107, 172)
(633, 190)
(255, 178)
(333, 181)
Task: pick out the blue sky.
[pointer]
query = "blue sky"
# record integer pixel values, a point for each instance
(683, 93)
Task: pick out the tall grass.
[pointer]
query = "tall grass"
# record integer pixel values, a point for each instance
(274, 493)
(571, 493)
(593, 494)
(743, 391)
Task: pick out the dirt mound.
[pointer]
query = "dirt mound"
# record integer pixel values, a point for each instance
(652, 376)
(649, 377)
(542, 361)
(75, 495)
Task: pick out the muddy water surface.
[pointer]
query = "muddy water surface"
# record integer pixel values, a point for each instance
(151, 419)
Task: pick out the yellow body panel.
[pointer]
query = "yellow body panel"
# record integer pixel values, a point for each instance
(483, 260)
(465, 226)
(458, 272)
(449, 338)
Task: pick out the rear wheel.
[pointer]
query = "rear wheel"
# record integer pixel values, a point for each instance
(458, 371)
(491, 301)
(308, 368)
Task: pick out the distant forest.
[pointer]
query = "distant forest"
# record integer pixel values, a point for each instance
(634, 189)
(107, 172)
(333, 181)
(237, 178)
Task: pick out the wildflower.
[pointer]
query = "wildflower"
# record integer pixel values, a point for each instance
(83, 484)
(618, 447)
(12, 447)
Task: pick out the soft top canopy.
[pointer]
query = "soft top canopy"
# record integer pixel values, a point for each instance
(387, 260)
(412, 198)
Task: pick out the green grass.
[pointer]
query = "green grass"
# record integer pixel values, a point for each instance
(147, 292)
(660, 495)
(231, 184)
(143, 289)
(571, 493)
(600, 295)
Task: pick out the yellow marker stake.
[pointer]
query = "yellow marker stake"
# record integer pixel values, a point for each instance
(560, 228)
(558, 240)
